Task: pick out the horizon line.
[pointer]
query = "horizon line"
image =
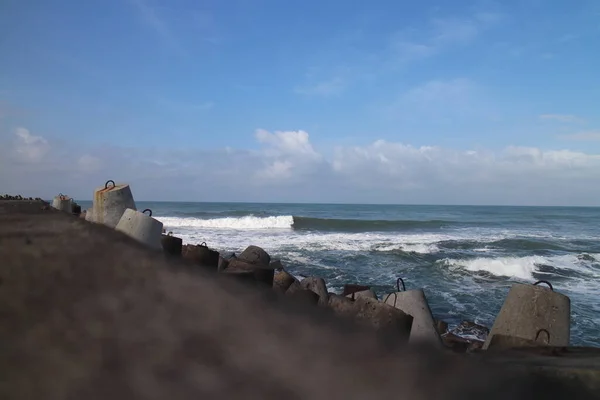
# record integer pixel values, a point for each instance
(363, 204)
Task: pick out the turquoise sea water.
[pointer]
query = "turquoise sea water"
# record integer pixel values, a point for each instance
(465, 257)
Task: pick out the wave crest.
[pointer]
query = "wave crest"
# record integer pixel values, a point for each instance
(241, 223)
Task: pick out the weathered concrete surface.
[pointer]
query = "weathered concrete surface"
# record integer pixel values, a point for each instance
(141, 227)
(110, 202)
(88, 313)
(413, 302)
(528, 309)
(370, 294)
(282, 280)
(172, 245)
(318, 286)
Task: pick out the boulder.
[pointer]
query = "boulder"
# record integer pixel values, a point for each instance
(318, 286)
(255, 255)
(282, 280)
(201, 255)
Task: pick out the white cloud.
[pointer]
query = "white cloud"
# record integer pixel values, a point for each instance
(565, 118)
(30, 148)
(287, 167)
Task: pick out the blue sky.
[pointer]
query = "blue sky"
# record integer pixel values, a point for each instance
(388, 101)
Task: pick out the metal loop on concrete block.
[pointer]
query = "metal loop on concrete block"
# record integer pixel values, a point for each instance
(398, 284)
(395, 297)
(109, 181)
(149, 210)
(540, 331)
(546, 282)
(203, 244)
(170, 234)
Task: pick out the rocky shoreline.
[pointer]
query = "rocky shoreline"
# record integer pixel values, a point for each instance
(79, 296)
(126, 265)
(254, 265)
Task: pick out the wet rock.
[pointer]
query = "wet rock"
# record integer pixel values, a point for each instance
(282, 280)
(364, 293)
(318, 286)
(460, 344)
(262, 273)
(471, 330)
(350, 288)
(255, 255)
(201, 255)
(441, 326)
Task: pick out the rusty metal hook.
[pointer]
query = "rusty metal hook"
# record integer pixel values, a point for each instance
(546, 282)
(398, 284)
(109, 181)
(395, 298)
(538, 335)
(147, 209)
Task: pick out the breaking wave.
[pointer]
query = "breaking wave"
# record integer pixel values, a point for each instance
(240, 223)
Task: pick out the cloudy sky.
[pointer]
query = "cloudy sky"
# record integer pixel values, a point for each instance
(390, 101)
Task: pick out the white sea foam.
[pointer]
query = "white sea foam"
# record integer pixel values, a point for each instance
(518, 267)
(240, 223)
(275, 234)
(521, 267)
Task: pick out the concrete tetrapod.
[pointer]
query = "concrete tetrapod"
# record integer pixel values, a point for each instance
(171, 245)
(110, 202)
(63, 203)
(413, 302)
(89, 215)
(534, 313)
(141, 227)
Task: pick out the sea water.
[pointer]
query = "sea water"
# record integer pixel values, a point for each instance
(464, 257)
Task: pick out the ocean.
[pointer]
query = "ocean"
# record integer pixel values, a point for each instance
(464, 257)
